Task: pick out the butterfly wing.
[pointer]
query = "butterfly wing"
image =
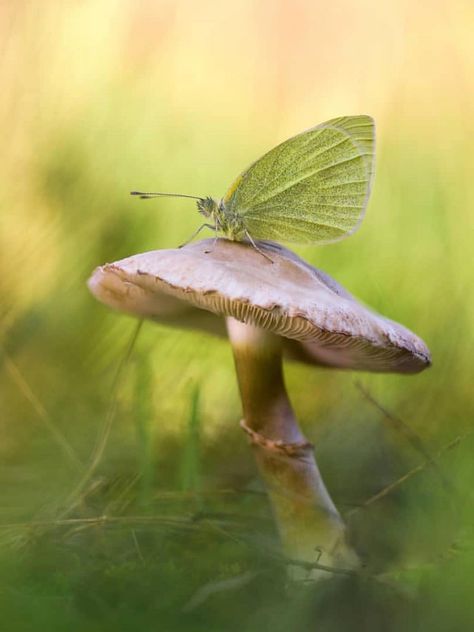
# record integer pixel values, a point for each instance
(312, 188)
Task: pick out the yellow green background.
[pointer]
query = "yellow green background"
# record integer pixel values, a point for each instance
(102, 97)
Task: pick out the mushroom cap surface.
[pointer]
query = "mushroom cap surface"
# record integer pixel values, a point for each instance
(320, 322)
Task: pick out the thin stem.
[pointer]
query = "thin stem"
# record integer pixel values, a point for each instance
(310, 526)
(40, 410)
(104, 432)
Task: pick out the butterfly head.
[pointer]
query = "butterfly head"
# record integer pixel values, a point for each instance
(225, 221)
(207, 206)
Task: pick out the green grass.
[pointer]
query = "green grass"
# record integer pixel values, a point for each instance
(172, 530)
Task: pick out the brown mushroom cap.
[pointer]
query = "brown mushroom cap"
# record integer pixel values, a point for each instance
(321, 323)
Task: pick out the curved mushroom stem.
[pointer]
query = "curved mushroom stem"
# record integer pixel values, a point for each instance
(309, 524)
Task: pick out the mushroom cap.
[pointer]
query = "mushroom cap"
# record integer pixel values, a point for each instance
(320, 322)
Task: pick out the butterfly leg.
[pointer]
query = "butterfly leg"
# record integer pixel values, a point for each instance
(196, 233)
(256, 247)
(214, 228)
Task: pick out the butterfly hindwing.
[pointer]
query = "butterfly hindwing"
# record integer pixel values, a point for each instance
(312, 188)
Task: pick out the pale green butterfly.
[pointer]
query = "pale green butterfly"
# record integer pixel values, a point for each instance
(311, 189)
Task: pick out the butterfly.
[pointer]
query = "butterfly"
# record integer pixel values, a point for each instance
(311, 189)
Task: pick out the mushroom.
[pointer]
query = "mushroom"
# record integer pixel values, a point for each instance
(269, 309)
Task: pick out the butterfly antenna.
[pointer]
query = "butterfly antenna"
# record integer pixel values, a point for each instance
(149, 195)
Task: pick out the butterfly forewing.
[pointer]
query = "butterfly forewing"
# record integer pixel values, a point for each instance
(312, 188)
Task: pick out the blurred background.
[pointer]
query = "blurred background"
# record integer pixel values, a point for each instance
(129, 495)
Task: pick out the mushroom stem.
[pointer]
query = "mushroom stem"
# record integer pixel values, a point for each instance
(309, 524)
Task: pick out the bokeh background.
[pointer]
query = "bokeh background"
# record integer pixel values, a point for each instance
(99, 419)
